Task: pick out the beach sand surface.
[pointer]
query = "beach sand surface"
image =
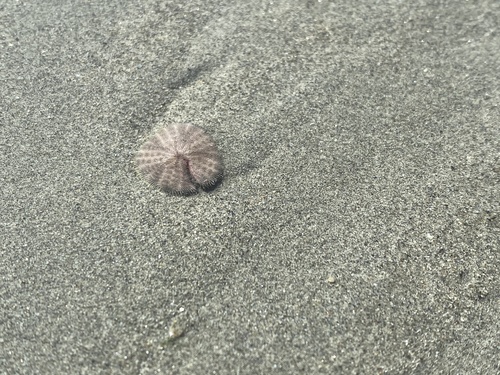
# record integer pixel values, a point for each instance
(356, 228)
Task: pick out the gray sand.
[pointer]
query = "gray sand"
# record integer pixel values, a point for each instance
(356, 230)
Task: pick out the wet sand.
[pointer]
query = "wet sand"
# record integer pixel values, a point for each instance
(355, 230)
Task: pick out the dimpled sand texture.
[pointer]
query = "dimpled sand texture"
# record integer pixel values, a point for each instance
(179, 158)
